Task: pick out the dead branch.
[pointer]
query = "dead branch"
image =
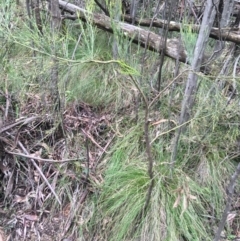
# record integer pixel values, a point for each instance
(138, 35)
(32, 156)
(227, 34)
(22, 122)
(40, 172)
(103, 152)
(88, 135)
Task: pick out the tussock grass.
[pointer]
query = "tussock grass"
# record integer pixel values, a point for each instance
(125, 185)
(100, 86)
(185, 199)
(179, 204)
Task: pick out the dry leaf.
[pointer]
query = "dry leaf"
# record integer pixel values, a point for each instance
(231, 217)
(2, 235)
(163, 120)
(185, 204)
(192, 197)
(31, 217)
(19, 199)
(179, 191)
(176, 203)
(37, 153)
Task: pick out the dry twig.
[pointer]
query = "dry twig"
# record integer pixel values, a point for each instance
(32, 156)
(40, 172)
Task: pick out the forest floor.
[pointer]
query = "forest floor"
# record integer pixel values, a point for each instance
(35, 173)
(45, 163)
(97, 164)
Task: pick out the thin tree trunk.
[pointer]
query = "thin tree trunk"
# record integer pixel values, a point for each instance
(191, 87)
(133, 9)
(55, 26)
(230, 192)
(164, 33)
(115, 10)
(225, 14)
(192, 81)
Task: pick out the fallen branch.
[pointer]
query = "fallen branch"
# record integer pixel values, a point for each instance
(22, 122)
(226, 34)
(136, 34)
(32, 156)
(141, 36)
(40, 172)
(92, 139)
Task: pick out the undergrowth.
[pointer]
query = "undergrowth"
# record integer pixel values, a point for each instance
(188, 197)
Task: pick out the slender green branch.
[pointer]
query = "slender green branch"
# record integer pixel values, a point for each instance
(148, 147)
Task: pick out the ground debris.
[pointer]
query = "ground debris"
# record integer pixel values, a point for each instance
(44, 157)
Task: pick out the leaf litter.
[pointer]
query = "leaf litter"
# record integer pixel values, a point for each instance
(48, 168)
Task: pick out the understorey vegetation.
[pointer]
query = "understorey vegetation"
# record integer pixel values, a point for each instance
(119, 120)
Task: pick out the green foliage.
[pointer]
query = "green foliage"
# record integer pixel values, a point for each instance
(125, 185)
(184, 194)
(189, 38)
(180, 201)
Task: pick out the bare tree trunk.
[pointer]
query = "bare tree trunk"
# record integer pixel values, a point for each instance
(56, 16)
(192, 81)
(191, 86)
(230, 193)
(225, 14)
(133, 9)
(170, 6)
(224, 22)
(115, 13)
(55, 26)
(38, 16)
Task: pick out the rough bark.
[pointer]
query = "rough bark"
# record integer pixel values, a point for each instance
(55, 26)
(225, 33)
(133, 9)
(56, 16)
(38, 16)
